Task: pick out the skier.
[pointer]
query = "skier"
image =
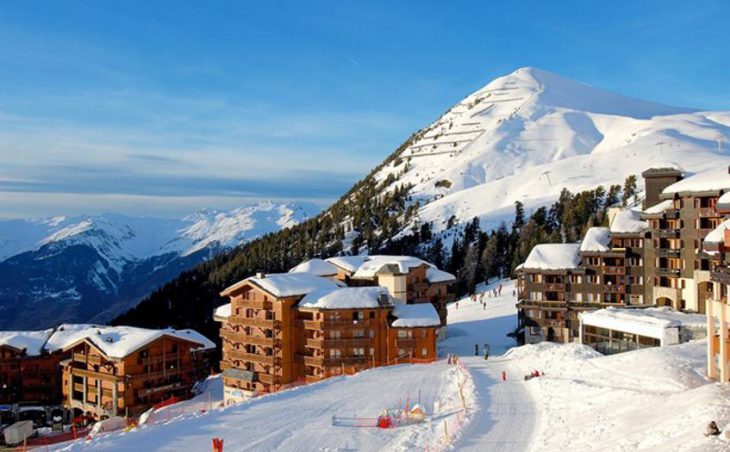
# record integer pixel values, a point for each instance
(504, 375)
(500, 289)
(486, 351)
(457, 305)
(476, 349)
(712, 429)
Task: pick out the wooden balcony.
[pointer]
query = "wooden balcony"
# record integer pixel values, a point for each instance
(317, 361)
(259, 323)
(614, 288)
(614, 270)
(346, 360)
(720, 274)
(706, 212)
(84, 358)
(668, 252)
(350, 342)
(668, 272)
(554, 287)
(668, 233)
(244, 338)
(267, 360)
(672, 214)
(405, 343)
(313, 343)
(268, 378)
(254, 304)
(702, 233)
(313, 324)
(342, 323)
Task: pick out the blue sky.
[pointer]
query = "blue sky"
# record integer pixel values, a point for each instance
(162, 108)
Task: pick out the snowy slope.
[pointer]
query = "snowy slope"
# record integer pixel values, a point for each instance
(652, 399)
(527, 135)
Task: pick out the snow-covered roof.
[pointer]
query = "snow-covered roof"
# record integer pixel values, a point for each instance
(553, 256)
(595, 240)
(415, 315)
(717, 235)
(434, 275)
(648, 322)
(286, 284)
(222, 312)
(68, 333)
(724, 201)
(347, 298)
(30, 341)
(660, 208)
(628, 221)
(120, 341)
(317, 267)
(347, 263)
(665, 165)
(712, 180)
(374, 264)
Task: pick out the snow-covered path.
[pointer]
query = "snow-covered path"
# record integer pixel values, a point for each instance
(505, 418)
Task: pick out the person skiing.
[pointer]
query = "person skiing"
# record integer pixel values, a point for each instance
(486, 351)
(504, 375)
(712, 429)
(476, 349)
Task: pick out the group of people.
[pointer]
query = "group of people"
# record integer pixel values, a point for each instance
(452, 359)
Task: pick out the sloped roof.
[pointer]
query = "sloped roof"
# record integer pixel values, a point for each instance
(711, 180)
(317, 267)
(553, 256)
(30, 341)
(434, 275)
(628, 221)
(596, 239)
(347, 298)
(415, 315)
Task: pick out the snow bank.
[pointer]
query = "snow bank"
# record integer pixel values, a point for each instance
(347, 298)
(596, 239)
(553, 256)
(415, 315)
(222, 312)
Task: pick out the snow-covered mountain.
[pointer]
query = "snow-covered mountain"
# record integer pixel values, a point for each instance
(93, 267)
(527, 135)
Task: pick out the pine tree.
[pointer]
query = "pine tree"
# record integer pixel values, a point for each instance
(629, 190)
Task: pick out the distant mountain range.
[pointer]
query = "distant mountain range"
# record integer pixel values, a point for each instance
(91, 268)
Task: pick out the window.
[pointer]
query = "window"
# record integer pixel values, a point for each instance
(424, 352)
(372, 351)
(402, 334)
(372, 314)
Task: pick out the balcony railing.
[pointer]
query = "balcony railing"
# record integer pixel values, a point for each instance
(350, 342)
(668, 252)
(267, 360)
(706, 212)
(345, 360)
(259, 323)
(720, 274)
(342, 323)
(668, 233)
(614, 270)
(254, 304)
(244, 338)
(614, 288)
(405, 343)
(702, 233)
(312, 360)
(268, 378)
(83, 358)
(313, 343)
(312, 324)
(672, 214)
(670, 272)
(554, 287)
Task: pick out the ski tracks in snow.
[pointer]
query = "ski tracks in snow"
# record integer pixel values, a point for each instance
(506, 419)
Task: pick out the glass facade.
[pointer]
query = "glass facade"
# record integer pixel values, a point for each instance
(610, 342)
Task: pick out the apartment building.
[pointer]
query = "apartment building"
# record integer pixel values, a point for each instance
(28, 371)
(286, 329)
(123, 371)
(715, 248)
(679, 224)
(408, 279)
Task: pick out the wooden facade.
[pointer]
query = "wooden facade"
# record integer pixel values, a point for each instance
(101, 386)
(30, 379)
(270, 343)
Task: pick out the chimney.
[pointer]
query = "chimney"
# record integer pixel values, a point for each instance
(261, 275)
